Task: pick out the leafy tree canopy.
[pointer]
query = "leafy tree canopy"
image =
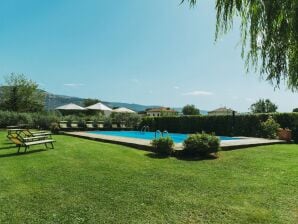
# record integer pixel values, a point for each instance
(295, 110)
(20, 94)
(190, 110)
(263, 106)
(269, 31)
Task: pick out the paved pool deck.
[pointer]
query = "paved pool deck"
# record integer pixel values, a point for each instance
(244, 142)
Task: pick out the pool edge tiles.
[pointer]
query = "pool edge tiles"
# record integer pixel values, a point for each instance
(142, 144)
(131, 142)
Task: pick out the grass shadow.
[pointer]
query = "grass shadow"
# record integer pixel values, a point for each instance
(21, 153)
(7, 143)
(182, 157)
(156, 156)
(8, 147)
(196, 158)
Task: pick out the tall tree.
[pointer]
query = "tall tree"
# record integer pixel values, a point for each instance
(190, 110)
(269, 32)
(263, 106)
(21, 95)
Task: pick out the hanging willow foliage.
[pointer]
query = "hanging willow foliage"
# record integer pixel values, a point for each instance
(269, 32)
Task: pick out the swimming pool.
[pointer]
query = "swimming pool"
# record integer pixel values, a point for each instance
(177, 138)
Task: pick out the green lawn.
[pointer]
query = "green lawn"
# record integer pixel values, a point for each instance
(83, 181)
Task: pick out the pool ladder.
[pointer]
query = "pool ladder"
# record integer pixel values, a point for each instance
(144, 129)
(161, 134)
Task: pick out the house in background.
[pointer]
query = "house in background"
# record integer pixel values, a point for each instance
(161, 112)
(221, 111)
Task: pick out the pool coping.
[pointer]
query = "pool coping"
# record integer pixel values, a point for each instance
(143, 144)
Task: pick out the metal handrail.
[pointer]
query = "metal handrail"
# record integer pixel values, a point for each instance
(158, 131)
(145, 128)
(165, 132)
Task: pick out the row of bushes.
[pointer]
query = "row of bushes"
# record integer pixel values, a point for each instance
(35, 120)
(46, 119)
(195, 145)
(242, 125)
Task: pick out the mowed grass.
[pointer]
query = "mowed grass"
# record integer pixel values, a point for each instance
(82, 181)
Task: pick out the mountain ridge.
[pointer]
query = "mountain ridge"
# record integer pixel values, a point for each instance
(55, 100)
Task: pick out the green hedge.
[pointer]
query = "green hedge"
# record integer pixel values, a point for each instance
(244, 125)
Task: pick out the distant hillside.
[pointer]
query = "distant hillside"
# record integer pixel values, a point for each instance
(132, 106)
(52, 101)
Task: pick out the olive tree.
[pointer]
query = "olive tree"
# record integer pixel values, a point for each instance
(190, 110)
(20, 94)
(263, 106)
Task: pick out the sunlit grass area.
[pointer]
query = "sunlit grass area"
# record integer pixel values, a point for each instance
(82, 181)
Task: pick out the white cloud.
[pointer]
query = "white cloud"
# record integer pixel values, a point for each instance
(73, 84)
(176, 87)
(249, 99)
(198, 93)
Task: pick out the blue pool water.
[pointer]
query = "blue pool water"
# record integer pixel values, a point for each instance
(177, 138)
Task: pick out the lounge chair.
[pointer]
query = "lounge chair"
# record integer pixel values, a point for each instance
(12, 126)
(27, 133)
(123, 125)
(100, 125)
(90, 125)
(15, 130)
(26, 144)
(34, 138)
(74, 125)
(63, 125)
(12, 134)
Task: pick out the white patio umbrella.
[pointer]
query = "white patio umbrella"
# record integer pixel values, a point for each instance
(99, 106)
(123, 110)
(70, 106)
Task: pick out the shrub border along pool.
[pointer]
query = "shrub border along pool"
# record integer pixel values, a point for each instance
(142, 144)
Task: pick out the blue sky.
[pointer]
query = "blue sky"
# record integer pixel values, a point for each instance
(148, 52)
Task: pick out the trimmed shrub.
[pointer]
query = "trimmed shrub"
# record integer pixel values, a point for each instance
(54, 127)
(44, 120)
(269, 128)
(163, 145)
(201, 144)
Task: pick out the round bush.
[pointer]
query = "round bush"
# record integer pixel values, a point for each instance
(54, 127)
(201, 144)
(269, 128)
(163, 145)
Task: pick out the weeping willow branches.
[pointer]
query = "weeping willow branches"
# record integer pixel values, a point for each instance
(269, 31)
